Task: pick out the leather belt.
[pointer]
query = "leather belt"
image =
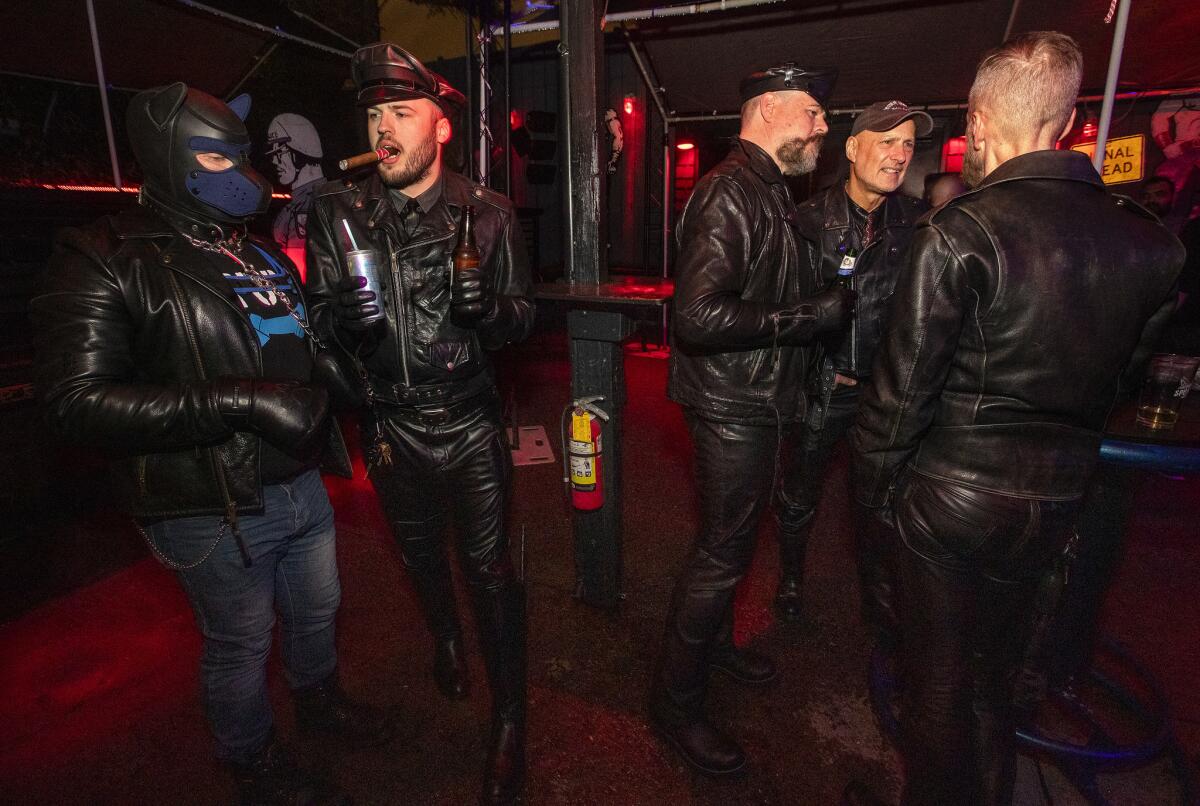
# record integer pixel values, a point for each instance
(436, 415)
(434, 394)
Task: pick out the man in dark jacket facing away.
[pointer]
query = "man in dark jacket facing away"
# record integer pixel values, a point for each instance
(863, 226)
(180, 345)
(1025, 301)
(434, 434)
(743, 319)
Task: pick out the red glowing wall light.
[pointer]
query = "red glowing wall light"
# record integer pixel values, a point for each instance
(628, 105)
(514, 119)
(952, 153)
(1090, 129)
(686, 145)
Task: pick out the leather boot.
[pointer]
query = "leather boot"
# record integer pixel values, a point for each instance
(743, 665)
(793, 540)
(500, 615)
(450, 668)
(705, 747)
(270, 777)
(435, 593)
(325, 708)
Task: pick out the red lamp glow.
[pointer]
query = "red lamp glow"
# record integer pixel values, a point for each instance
(514, 119)
(628, 105)
(952, 153)
(686, 145)
(1090, 129)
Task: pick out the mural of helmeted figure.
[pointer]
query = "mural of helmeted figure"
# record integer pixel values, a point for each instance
(295, 151)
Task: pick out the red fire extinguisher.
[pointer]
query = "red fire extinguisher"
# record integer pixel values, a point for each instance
(582, 435)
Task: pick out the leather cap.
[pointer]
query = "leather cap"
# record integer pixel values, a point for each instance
(384, 72)
(883, 116)
(816, 81)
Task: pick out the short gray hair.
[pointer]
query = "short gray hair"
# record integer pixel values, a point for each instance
(1030, 81)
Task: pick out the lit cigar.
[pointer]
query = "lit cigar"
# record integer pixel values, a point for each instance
(359, 160)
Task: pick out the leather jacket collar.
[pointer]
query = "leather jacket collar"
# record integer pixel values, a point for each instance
(1072, 166)
(457, 191)
(760, 162)
(837, 212)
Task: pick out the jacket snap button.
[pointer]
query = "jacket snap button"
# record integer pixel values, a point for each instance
(166, 259)
(358, 205)
(478, 192)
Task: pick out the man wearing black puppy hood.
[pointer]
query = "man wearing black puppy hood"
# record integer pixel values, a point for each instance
(180, 345)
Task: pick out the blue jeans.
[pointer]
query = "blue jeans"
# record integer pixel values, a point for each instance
(293, 572)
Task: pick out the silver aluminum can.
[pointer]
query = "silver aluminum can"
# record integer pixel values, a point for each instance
(366, 263)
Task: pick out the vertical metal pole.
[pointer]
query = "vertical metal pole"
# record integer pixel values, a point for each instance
(1110, 85)
(596, 336)
(485, 98)
(668, 197)
(508, 188)
(468, 136)
(108, 128)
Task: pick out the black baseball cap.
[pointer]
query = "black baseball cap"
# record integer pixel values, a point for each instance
(816, 81)
(385, 72)
(884, 116)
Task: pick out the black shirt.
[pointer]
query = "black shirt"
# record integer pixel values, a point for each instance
(285, 356)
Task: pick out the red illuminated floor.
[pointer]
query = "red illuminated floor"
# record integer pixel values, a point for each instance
(99, 683)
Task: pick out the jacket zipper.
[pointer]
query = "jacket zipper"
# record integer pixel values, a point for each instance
(399, 292)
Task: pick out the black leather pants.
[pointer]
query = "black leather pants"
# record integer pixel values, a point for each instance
(735, 466)
(969, 571)
(454, 464)
(799, 495)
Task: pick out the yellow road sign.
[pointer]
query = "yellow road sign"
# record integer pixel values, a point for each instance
(1124, 158)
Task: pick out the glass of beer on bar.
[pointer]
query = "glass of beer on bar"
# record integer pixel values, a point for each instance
(1167, 383)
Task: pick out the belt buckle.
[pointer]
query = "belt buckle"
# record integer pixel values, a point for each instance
(437, 416)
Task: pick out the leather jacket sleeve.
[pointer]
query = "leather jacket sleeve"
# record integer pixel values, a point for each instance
(512, 318)
(911, 366)
(1131, 375)
(87, 375)
(716, 248)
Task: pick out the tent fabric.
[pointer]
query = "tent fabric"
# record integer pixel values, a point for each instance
(921, 52)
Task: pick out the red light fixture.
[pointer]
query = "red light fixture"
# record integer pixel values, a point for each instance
(628, 105)
(514, 119)
(1090, 129)
(686, 145)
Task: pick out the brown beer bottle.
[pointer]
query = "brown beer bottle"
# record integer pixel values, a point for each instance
(466, 253)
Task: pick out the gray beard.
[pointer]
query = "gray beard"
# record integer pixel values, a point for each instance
(413, 168)
(796, 158)
(972, 168)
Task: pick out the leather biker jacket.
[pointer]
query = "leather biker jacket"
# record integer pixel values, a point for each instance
(132, 322)
(421, 357)
(741, 328)
(1026, 301)
(825, 220)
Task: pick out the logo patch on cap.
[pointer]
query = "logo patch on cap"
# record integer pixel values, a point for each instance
(903, 107)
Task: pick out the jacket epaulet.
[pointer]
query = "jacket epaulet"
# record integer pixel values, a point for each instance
(1126, 203)
(335, 186)
(491, 197)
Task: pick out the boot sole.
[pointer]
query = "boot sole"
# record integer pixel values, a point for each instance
(700, 768)
(748, 681)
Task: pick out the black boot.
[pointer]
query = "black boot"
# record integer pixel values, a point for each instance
(326, 708)
(450, 668)
(743, 665)
(793, 540)
(270, 778)
(501, 618)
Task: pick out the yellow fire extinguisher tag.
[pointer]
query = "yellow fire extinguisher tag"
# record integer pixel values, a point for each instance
(581, 452)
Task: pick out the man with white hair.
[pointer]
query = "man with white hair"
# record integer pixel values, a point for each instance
(1027, 301)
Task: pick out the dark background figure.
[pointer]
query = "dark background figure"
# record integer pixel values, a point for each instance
(743, 323)
(942, 187)
(981, 428)
(864, 226)
(1158, 196)
(434, 436)
(178, 344)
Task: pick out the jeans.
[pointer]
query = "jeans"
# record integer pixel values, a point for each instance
(293, 573)
(969, 573)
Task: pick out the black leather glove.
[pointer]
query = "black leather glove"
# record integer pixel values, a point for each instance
(292, 416)
(471, 298)
(831, 308)
(352, 304)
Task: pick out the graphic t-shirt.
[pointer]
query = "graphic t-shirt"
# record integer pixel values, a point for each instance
(285, 356)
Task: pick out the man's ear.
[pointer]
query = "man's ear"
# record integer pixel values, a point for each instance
(851, 147)
(768, 105)
(443, 130)
(977, 126)
(1070, 124)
